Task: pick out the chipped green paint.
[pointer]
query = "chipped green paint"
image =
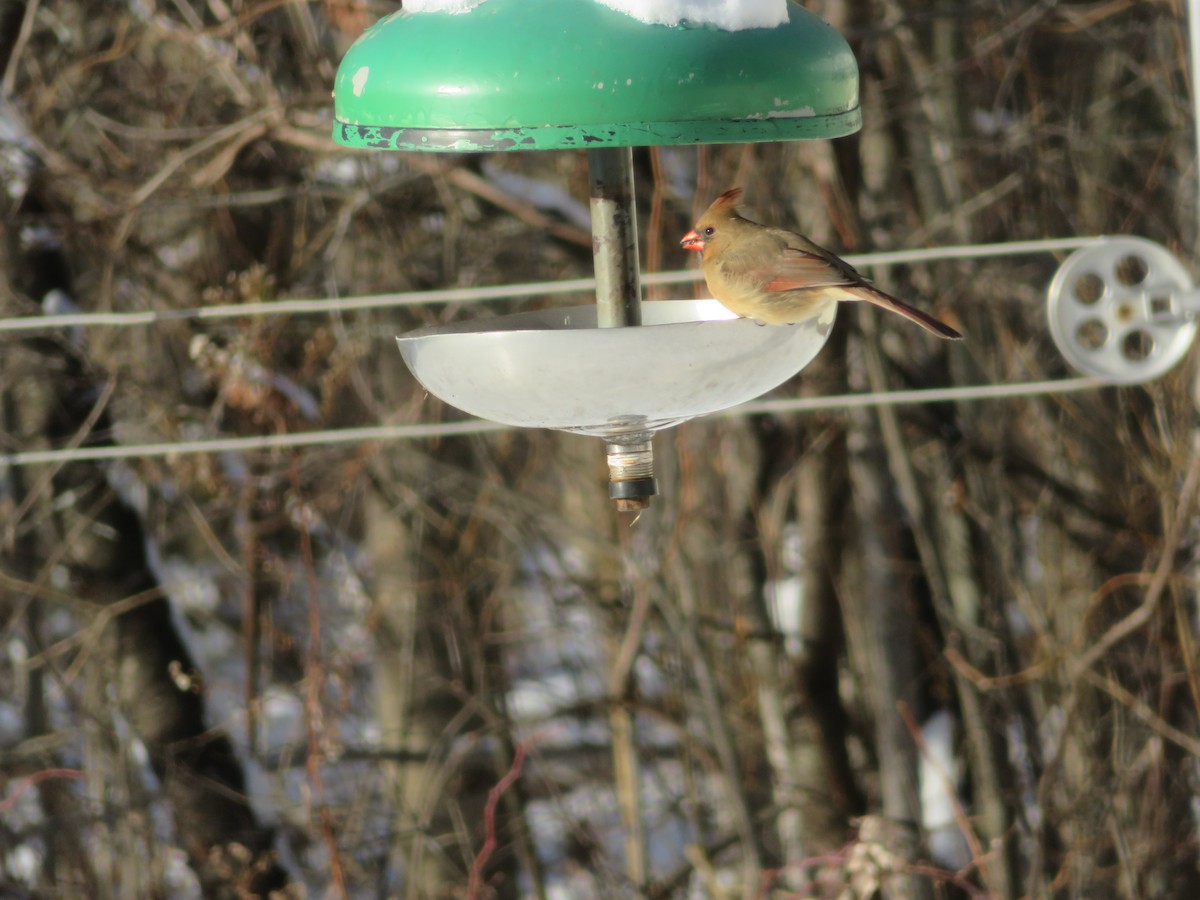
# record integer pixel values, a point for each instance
(562, 74)
(566, 137)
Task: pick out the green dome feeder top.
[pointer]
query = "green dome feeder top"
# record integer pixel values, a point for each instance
(562, 74)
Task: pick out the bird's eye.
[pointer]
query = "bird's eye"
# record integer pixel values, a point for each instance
(709, 231)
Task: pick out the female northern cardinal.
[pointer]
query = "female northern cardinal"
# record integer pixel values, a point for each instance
(778, 276)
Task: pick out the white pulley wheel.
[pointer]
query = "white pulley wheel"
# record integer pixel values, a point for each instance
(1119, 310)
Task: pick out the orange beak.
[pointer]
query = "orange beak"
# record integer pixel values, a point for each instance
(692, 241)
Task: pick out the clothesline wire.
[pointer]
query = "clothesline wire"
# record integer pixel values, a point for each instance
(369, 434)
(494, 292)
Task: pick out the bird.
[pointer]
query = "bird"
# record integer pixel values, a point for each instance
(779, 277)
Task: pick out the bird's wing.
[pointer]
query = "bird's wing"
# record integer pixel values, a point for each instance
(803, 265)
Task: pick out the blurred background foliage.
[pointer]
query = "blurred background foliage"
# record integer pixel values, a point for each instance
(930, 650)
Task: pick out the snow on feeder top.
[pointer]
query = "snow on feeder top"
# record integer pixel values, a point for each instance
(487, 75)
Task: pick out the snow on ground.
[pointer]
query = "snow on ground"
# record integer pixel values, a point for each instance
(785, 594)
(560, 670)
(16, 157)
(938, 777)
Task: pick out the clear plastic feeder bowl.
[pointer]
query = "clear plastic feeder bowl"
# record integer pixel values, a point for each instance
(555, 369)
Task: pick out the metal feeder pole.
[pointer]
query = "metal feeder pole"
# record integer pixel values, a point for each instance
(618, 304)
(614, 237)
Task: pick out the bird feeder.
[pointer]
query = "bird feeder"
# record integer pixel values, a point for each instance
(512, 75)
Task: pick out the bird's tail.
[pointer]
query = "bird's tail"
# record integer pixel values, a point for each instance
(888, 302)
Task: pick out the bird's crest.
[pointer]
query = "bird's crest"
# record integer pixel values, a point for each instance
(728, 200)
(723, 209)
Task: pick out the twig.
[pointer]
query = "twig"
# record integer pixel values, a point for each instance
(30, 780)
(1158, 581)
(995, 682)
(481, 187)
(216, 168)
(1118, 632)
(88, 635)
(77, 439)
(10, 71)
(234, 131)
(1142, 710)
(654, 228)
(250, 610)
(475, 884)
(314, 682)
